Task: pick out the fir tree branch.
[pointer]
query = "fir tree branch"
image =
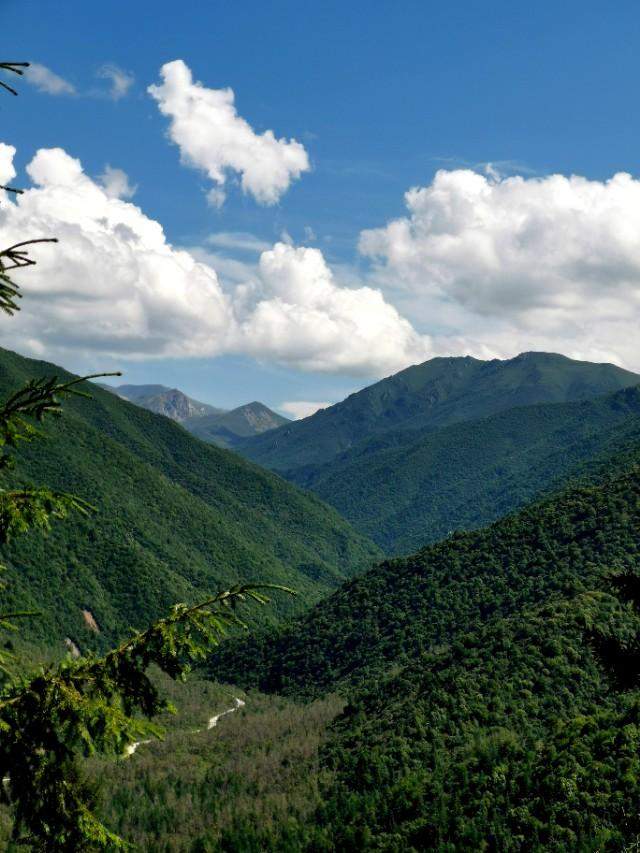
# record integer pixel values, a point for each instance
(15, 68)
(91, 705)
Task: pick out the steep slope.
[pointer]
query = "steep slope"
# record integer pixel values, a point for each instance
(402, 608)
(405, 489)
(177, 517)
(439, 392)
(514, 738)
(493, 683)
(226, 428)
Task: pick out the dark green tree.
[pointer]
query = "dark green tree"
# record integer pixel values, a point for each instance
(53, 717)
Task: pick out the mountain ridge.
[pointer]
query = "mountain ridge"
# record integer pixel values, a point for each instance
(434, 394)
(222, 427)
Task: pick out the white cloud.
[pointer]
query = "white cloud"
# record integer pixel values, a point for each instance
(498, 265)
(7, 169)
(297, 314)
(114, 286)
(120, 80)
(45, 80)
(237, 240)
(211, 136)
(302, 408)
(115, 183)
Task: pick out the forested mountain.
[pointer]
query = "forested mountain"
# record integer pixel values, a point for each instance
(407, 606)
(225, 429)
(439, 392)
(493, 686)
(405, 489)
(175, 517)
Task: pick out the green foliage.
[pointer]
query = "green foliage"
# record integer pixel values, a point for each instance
(494, 699)
(91, 705)
(176, 518)
(408, 606)
(251, 784)
(48, 720)
(513, 738)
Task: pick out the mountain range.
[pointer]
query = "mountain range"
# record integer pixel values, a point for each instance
(223, 427)
(481, 693)
(450, 444)
(429, 396)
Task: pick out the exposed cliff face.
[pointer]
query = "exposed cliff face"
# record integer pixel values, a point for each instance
(170, 402)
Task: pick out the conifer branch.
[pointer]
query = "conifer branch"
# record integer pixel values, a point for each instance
(15, 68)
(15, 257)
(92, 705)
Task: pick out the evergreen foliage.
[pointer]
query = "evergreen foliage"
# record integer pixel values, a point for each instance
(493, 684)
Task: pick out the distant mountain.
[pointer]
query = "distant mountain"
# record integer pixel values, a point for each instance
(222, 427)
(439, 392)
(406, 488)
(226, 428)
(177, 518)
(170, 402)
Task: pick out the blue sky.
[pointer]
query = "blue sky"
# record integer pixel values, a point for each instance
(381, 96)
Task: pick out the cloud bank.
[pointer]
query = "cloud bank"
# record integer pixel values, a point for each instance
(212, 137)
(504, 264)
(114, 286)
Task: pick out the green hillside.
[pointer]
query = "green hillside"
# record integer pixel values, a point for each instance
(176, 517)
(494, 701)
(405, 489)
(439, 392)
(405, 607)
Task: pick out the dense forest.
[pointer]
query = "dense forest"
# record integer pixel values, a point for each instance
(405, 489)
(175, 517)
(492, 703)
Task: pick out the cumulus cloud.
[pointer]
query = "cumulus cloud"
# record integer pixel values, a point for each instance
(115, 183)
(298, 409)
(211, 136)
(115, 286)
(120, 81)
(45, 80)
(509, 263)
(296, 313)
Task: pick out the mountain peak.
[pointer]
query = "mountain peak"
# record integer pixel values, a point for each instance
(438, 392)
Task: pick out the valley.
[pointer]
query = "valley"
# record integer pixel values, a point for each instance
(376, 715)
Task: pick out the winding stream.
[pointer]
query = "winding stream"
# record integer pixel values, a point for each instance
(211, 724)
